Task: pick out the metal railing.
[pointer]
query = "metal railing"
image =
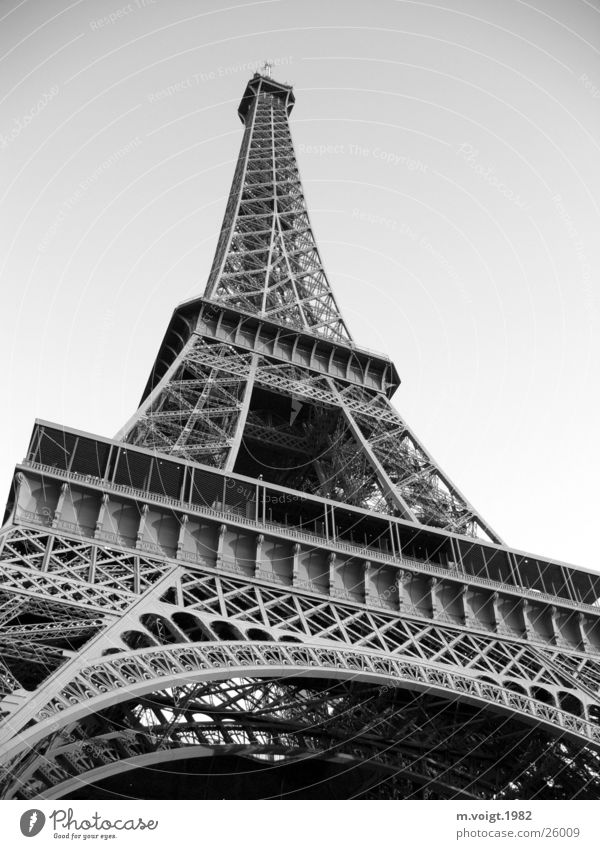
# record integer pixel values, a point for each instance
(364, 552)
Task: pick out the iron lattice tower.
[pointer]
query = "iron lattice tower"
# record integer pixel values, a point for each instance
(265, 585)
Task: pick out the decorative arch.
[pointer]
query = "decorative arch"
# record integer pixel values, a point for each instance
(515, 687)
(135, 640)
(540, 694)
(116, 678)
(571, 703)
(306, 748)
(193, 628)
(258, 634)
(226, 631)
(160, 628)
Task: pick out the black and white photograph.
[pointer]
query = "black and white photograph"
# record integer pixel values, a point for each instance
(300, 388)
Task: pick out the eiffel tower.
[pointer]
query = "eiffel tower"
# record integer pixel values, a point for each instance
(265, 586)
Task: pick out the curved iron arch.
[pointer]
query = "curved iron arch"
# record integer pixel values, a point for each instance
(352, 756)
(115, 678)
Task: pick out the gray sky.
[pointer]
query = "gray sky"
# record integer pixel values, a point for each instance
(450, 157)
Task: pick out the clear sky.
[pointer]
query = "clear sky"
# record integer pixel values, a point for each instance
(450, 155)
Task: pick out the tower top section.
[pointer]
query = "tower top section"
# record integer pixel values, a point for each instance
(267, 262)
(261, 375)
(263, 84)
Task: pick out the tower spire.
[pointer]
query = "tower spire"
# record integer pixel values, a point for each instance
(267, 261)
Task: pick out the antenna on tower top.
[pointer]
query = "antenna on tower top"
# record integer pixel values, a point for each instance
(266, 68)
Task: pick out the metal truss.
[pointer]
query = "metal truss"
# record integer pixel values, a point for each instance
(188, 633)
(196, 414)
(267, 264)
(267, 720)
(267, 261)
(363, 453)
(145, 623)
(454, 749)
